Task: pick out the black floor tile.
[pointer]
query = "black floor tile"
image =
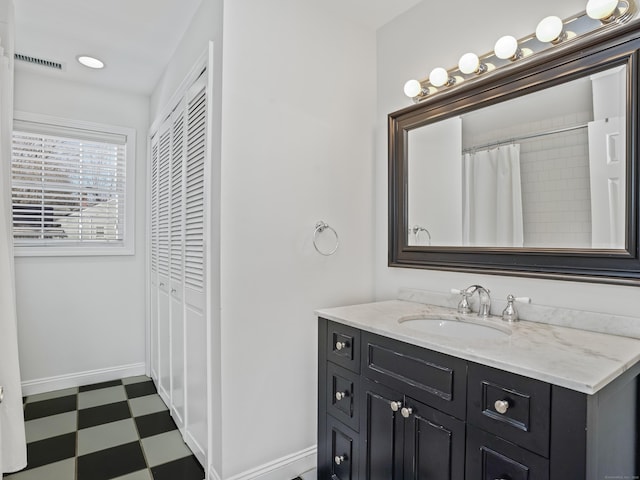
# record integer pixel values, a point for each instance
(112, 462)
(50, 407)
(141, 389)
(51, 450)
(97, 386)
(112, 412)
(154, 424)
(186, 468)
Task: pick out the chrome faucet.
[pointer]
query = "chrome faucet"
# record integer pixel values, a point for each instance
(483, 295)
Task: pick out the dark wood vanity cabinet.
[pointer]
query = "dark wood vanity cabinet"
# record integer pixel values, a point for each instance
(389, 410)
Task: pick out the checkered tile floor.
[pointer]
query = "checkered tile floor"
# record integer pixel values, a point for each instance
(113, 430)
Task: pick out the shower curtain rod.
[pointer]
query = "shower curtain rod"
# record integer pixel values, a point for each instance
(522, 137)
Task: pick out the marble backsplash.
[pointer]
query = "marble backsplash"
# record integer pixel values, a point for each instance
(564, 317)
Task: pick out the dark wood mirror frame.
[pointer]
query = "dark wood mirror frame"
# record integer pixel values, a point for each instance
(620, 46)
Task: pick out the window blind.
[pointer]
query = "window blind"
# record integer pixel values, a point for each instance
(68, 186)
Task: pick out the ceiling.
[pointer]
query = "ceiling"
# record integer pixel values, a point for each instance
(134, 38)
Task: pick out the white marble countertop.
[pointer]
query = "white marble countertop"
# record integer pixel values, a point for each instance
(580, 360)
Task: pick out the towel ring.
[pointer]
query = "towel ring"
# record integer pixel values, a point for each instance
(416, 231)
(321, 227)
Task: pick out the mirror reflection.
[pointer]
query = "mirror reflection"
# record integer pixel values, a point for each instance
(544, 170)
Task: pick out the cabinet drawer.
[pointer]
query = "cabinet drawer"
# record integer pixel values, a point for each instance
(433, 378)
(343, 395)
(513, 407)
(342, 463)
(343, 346)
(491, 458)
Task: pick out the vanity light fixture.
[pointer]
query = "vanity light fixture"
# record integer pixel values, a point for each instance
(413, 88)
(549, 33)
(90, 62)
(470, 63)
(603, 10)
(506, 48)
(551, 30)
(439, 77)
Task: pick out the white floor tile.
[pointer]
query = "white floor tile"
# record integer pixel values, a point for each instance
(49, 395)
(103, 396)
(106, 436)
(139, 379)
(146, 405)
(52, 426)
(164, 448)
(141, 475)
(64, 470)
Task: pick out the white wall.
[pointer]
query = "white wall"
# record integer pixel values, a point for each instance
(409, 47)
(81, 314)
(297, 147)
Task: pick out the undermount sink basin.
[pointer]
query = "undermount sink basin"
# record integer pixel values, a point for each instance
(455, 327)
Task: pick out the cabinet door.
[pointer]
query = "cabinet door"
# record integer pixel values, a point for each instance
(195, 281)
(382, 432)
(164, 316)
(176, 259)
(492, 458)
(342, 463)
(434, 446)
(153, 276)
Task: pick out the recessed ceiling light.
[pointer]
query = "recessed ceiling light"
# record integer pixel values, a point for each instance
(90, 62)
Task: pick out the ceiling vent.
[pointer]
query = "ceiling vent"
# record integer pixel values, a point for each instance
(38, 61)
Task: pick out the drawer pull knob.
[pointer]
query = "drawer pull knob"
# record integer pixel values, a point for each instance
(501, 406)
(341, 345)
(395, 406)
(406, 412)
(339, 459)
(341, 395)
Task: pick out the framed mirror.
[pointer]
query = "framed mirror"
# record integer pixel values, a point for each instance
(528, 172)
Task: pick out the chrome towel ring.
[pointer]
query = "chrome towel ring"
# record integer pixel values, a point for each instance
(321, 226)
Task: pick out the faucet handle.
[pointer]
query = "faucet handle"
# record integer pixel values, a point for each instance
(463, 305)
(510, 314)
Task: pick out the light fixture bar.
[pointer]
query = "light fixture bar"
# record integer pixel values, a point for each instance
(551, 33)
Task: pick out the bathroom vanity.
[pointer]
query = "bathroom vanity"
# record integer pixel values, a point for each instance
(411, 390)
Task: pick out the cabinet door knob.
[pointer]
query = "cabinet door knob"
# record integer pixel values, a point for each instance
(341, 395)
(501, 406)
(1, 393)
(173, 290)
(395, 406)
(341, 345)
(406, 412)
(339, 459)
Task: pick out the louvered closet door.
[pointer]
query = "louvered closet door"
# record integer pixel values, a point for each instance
(164, 224)
(153, 324)
(176, 263)
(195, 281)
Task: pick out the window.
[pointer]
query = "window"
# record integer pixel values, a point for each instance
(72, 187)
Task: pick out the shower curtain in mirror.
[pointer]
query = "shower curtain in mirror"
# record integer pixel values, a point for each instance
(492, 203)
(13, 454)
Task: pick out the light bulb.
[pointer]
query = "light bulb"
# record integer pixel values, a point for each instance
(601, 9)
(90, 62)
(438, 77)
(549, 29)
(506, 47)
(469, 63)
(412, 88)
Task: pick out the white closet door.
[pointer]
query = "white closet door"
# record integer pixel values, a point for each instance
(153, 324)
(164, 209)
(176, 267)
(195, 284)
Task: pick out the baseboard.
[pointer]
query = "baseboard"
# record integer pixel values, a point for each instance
(42, 385)
(213, 475)
(285, 468)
